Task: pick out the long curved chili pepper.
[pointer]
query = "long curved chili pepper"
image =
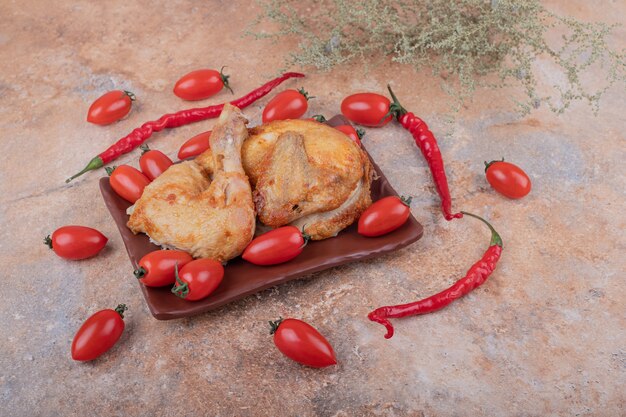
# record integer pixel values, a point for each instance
(180, 118)
(426, 142)
(477, 274)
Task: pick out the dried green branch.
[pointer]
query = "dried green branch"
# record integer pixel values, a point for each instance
(470, 43)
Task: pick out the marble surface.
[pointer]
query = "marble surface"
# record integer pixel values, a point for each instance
(545, 336)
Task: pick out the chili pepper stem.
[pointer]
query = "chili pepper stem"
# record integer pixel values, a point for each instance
(95, 163)
(48, 241)
(144, 148)
(319, 118)
(395, 108)
(274, 325)
(495, 237)
(109, 170)
(120, 309)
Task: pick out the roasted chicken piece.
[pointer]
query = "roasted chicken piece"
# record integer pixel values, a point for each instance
(208, 217)
(305, 173)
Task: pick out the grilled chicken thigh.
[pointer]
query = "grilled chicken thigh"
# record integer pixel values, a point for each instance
(305, 173)
(208, 217)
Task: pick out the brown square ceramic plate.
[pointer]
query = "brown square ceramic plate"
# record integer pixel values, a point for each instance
(242, 278)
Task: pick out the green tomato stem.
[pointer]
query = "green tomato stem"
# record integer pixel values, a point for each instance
(274, 325)
(120, 309)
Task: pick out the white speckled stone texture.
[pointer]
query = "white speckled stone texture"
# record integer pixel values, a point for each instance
(545, 336)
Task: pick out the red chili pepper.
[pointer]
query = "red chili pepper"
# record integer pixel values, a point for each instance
(476, 276)
(426, 142)
(180, 118)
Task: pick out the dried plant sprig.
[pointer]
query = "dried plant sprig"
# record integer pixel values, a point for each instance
(471, 43)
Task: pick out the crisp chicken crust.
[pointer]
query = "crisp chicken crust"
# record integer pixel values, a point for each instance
(208, 217)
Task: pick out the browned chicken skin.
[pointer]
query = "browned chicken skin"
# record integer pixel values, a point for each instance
(185, 209)
(306, 174)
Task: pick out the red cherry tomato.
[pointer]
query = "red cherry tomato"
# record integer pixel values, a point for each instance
(507, 179)
(289, 104)
(195, 146)
(201, 84)
(367, 109)
(98, 334)
(300, 342)
(384, 216)
(276, 246)
(157, 269)
(353, 134)
(198, 279)
(110, 107)
(76, 242)
(153, 163)
(127, 182)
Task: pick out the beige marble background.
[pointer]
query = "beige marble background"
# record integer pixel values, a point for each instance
(545, 336)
